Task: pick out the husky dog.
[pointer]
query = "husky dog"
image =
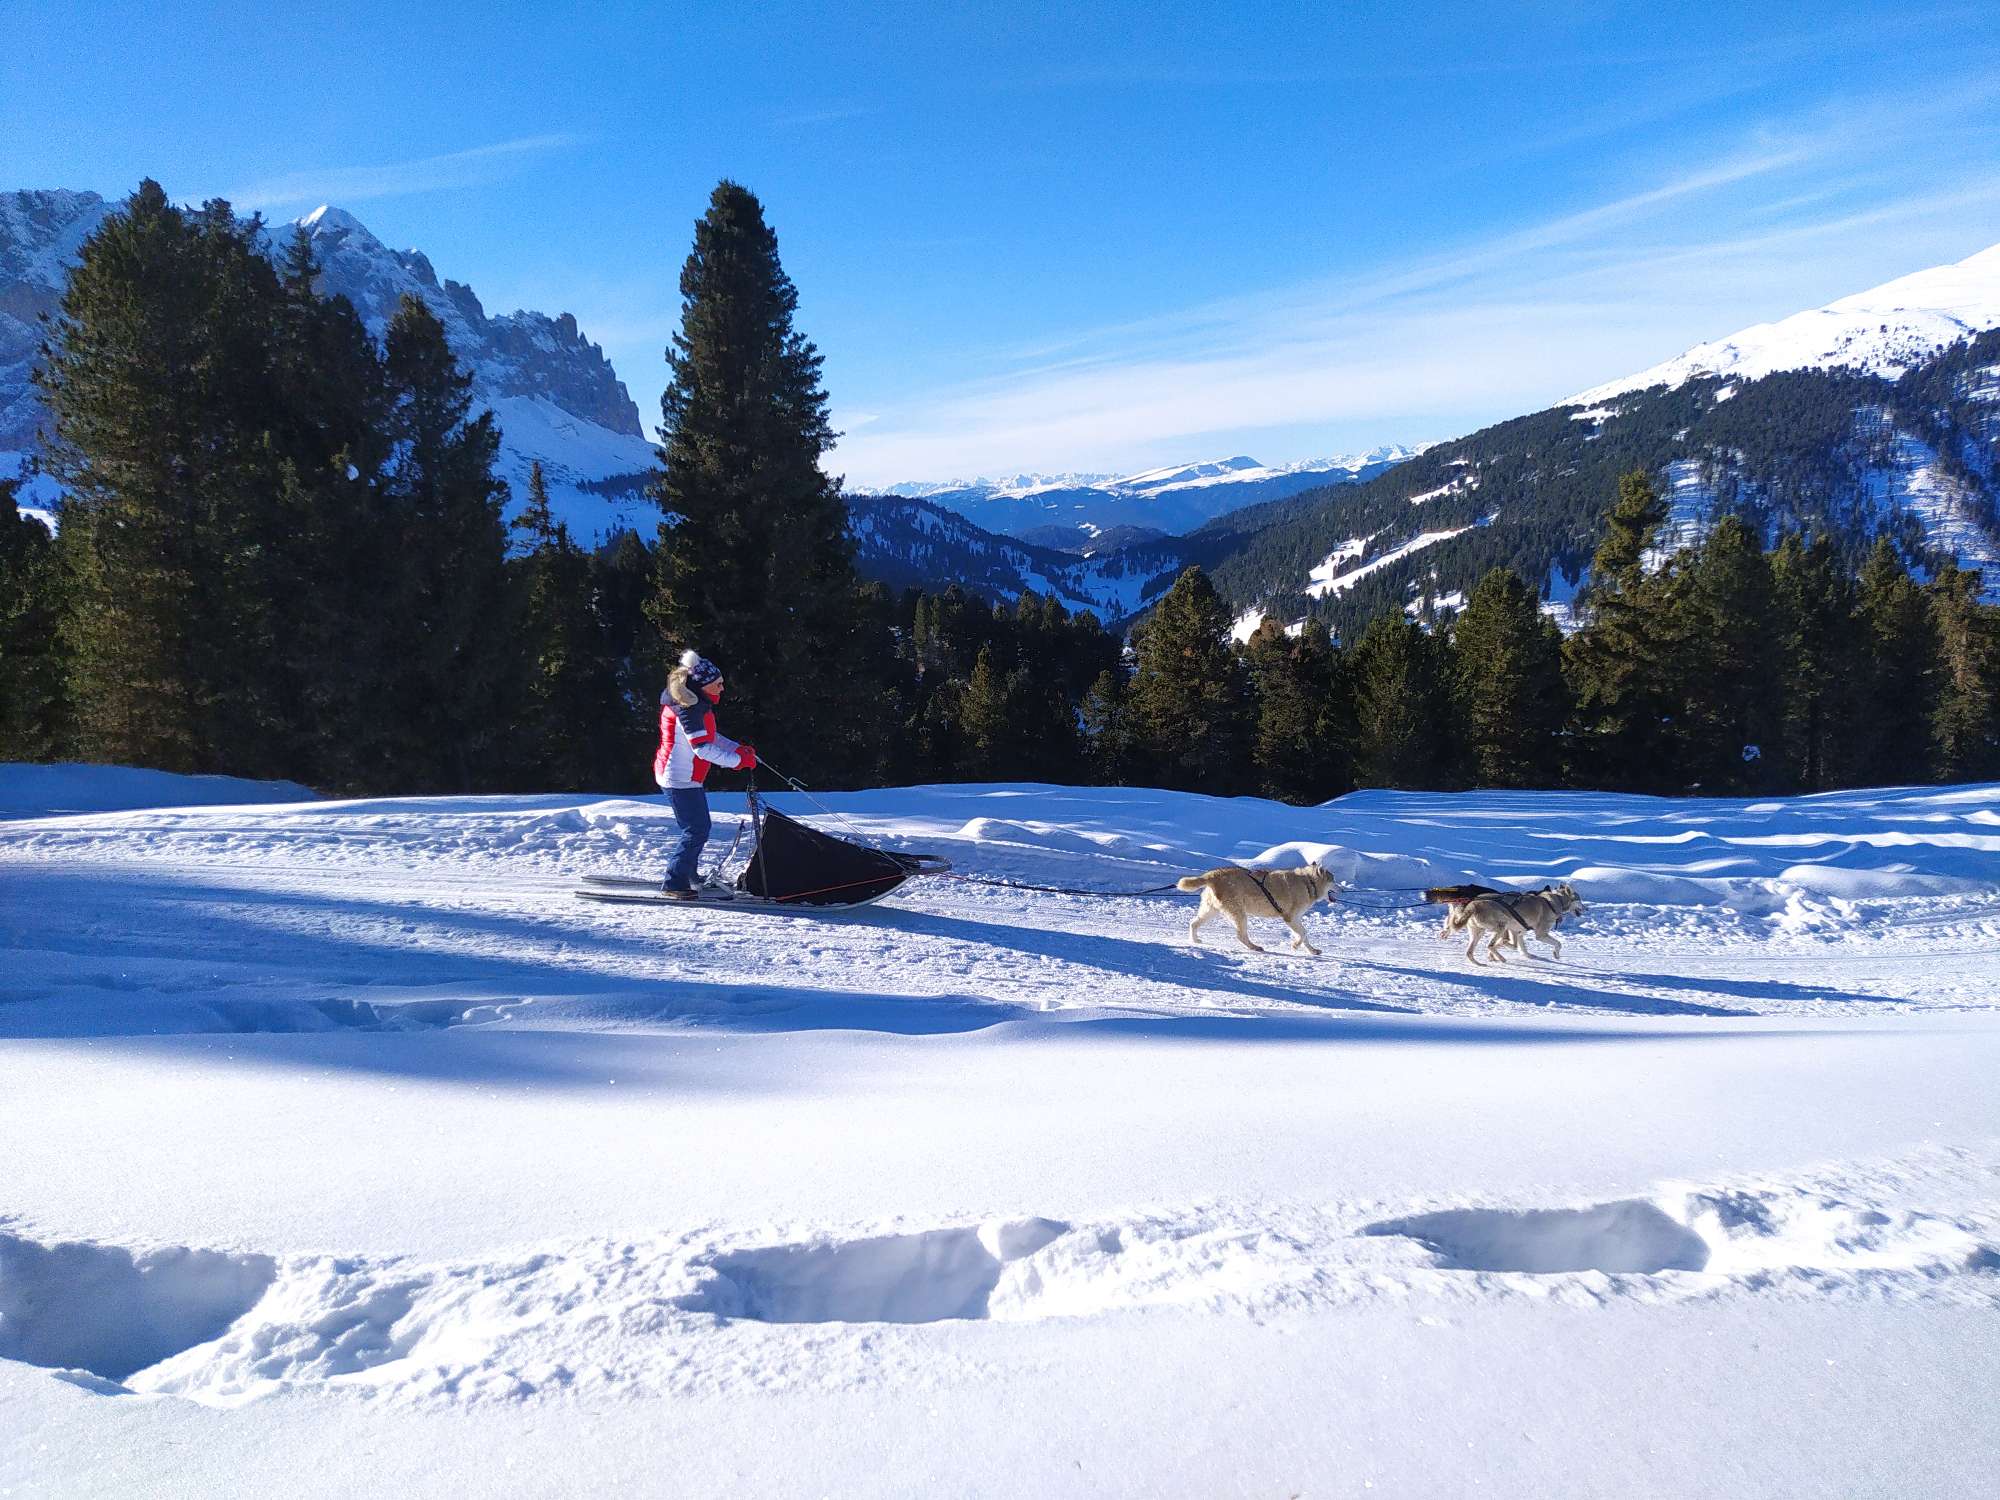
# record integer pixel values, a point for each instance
(1453, 899)
(1508, 918)
(1242, 894)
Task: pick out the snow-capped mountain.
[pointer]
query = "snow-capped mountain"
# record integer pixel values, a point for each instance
(556, 397)
(1876, 415)
(1174, 499)
(1849, 454)
(1883, 331)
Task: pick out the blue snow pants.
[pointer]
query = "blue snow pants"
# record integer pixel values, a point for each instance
(690, 805)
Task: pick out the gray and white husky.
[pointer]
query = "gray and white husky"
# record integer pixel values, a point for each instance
(1506, 919)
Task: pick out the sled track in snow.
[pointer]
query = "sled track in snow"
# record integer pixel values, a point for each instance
(672, 1313)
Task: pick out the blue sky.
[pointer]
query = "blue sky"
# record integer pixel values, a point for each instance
(1083, 237)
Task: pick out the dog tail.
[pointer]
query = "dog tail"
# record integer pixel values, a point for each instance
(1192, 882)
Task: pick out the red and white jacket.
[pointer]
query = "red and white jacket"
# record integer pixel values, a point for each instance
(690, 744)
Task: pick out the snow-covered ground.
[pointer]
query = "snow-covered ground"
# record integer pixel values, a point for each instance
(343, 1151)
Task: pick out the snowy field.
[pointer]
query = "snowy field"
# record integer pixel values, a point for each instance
(343, 1151)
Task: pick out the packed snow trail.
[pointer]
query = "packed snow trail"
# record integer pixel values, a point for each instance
(339, 1132)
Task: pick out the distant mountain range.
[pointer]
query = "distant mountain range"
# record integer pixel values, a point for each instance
(556, 397)
(908, 542)
(1173, 500)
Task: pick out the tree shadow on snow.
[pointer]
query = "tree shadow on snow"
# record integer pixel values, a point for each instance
(1164, 963)
(168, 960)
(144, 960)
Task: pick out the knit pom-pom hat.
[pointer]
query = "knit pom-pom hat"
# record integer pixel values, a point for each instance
(700, 670)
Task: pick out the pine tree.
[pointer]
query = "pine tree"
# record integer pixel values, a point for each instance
(158, 379)
(1898, 674)
(621, 573)
(1621, 668)
(1730, 691)
(756, 568)
(1629, 528)
(983, 727)
(1107, 730)
(1189, 702)
(453, 633)
(333, 543)
(1303, 738)
(1401, 705)
(1965, 720)
(570, 719)
(31, 667)
(936, 733)
(1507, 684)
(947, 631)
(1820, 646)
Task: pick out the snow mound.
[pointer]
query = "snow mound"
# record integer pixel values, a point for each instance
(1039, 836)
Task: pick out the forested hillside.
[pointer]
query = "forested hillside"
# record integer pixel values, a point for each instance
(1853, 456)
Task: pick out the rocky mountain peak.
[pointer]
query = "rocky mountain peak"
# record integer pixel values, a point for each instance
(557, 396)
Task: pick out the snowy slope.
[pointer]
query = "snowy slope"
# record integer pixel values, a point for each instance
(347, 1152)
(555, 395)
(1884, 331)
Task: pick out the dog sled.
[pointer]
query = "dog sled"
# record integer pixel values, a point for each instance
(1458, 895)
(792, 868)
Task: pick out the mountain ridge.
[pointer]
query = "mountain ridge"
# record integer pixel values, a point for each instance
(1173, 498)
(1885, 330)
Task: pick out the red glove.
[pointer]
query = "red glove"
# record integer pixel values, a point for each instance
(746, 757)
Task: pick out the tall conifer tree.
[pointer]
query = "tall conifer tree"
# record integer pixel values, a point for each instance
(1965, 723)
(1898, 674)
(157, 375)
(1621, 666)
(1401, 705)
(1819, 642)
(756, 568)
(334, 544)
(1507, 683)
(1189, 702)
(1730, 692)
(1304, 728)
(1107, 729)
(456, 652)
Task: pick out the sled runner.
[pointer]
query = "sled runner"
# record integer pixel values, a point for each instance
(792, 867)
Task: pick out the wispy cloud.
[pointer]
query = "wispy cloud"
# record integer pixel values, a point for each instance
(1501, 324)
(454, 169)
(806, 118)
